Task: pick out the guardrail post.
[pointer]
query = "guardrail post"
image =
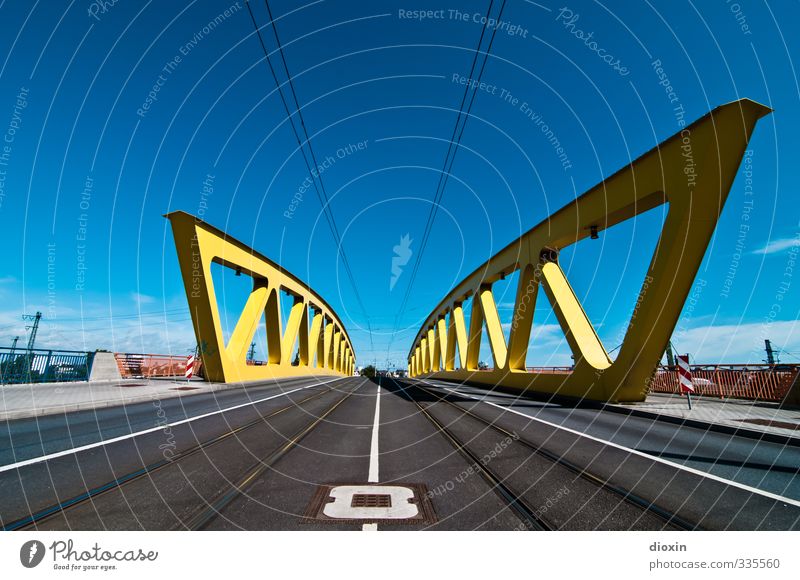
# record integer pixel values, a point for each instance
(47, 364)
(90, 363)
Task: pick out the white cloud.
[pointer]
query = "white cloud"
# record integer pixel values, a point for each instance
(743, 343)
(707, 344)
(149, 335)
(775, 246)
(142, 298)
(163, 328)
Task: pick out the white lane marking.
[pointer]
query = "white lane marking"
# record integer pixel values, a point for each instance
(373, 451)
(152, 430)
(628, 449)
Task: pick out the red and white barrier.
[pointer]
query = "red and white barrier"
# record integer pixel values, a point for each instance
(189, 368)
(685, 374)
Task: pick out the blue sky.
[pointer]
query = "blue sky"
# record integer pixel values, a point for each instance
(94, 162)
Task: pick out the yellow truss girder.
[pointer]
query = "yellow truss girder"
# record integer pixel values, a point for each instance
(692, 171)
(311, 323)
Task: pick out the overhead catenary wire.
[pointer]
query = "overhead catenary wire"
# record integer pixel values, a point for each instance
(324, 200)
(450, 155)
(134, 315)
(316, 177)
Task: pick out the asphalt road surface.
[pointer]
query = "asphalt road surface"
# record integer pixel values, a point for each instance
(772, 467)
(355, 454)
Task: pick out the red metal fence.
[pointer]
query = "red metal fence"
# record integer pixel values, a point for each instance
(763, 382)
(143, 366)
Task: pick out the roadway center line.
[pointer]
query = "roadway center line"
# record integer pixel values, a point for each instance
(626, 449)
(374, 452)
(104, 442)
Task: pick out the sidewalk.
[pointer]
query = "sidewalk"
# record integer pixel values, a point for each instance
(32, 400)
(758, 417)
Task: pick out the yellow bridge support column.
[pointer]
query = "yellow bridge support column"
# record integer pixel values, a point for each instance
(312, 325)
(692, 171)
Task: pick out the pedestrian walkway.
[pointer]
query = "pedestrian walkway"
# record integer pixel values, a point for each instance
(30, 400)
(764, 417)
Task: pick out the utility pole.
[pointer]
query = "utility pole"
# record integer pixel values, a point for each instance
(670, 356)
(251, 356)
(34, 328)
(770, 352)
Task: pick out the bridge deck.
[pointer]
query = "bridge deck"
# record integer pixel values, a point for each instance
(350, 453)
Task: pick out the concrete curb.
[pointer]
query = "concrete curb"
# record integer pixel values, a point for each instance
(102, 404)
(707, 426)
(170, 394)
(717, 427)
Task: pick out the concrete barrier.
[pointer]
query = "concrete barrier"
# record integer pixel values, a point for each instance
(104, 367)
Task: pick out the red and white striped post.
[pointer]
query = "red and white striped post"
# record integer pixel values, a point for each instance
(685, 377)
(189, 368)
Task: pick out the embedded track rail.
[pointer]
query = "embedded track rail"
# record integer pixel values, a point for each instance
(514, 500)
(206, 515)
(637, 501)
(665, 515)
(30, 522)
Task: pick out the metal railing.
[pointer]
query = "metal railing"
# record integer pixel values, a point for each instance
(762, 382)
(43, 366)
(739, 381)
(143, 366)
(550, 370)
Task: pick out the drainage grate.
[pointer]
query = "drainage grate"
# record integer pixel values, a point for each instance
(371, 500)
(394, 503)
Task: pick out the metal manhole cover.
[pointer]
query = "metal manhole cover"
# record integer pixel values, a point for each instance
(371, 500)
(396, 503)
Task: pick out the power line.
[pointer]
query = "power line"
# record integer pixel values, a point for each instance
(133, 315)
(321, 195)
(790, 354)
(326, 203)
(127, 316)
(54, 324)
(445, 174)
(452, 147)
